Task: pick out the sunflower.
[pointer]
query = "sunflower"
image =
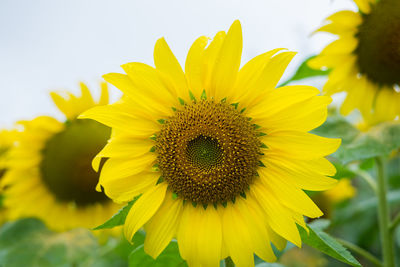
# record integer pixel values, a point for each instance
(6, 142)
(49, 170)
(365, 60)
(218, 156)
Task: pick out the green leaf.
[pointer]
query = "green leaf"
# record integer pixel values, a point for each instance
(342, 171)
(118, 218)
(380, 140)
(28, 242)
(326, 244)
(304, 71)
(169, 257)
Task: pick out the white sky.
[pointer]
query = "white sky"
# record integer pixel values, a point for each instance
(50, 45)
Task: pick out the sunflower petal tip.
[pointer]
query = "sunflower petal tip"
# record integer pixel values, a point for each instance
(160, 41)
(236, 23)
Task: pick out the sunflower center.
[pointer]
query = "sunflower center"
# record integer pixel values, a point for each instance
(204, 152)
(208, 152)
(378, 51)
(66, 165)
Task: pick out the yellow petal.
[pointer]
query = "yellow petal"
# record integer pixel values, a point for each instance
(268, 79)
(313, 113)
(279, 217)
(327, 61)
(346, 18)
(363, 5)
(301, 145)
(307, 175)
(167, 63)
(161, 228)
(144, 88)
(344, 45)
(86, 96)
(227, 63)
(302, 116)
(281, 98)
(187, 235)
(356, 97)
(290, 196)
(194, 66)
(143, 209)
(277, 240)
(114, 117)
(124, 189)
(209, 236)
(104, 97)
(62, 104)
(274, 70)
(200, 236)
(126, 147)
(338, 29)
(147, 83)
(256, 224)
(119, 168)
(299, 219)
(236, 236)
(249, 74)
(210, 55)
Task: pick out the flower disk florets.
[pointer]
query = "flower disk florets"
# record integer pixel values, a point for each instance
(378, 51)
(208, 152)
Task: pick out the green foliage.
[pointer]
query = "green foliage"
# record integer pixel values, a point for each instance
(118, 218)
(356, 145)
(323, 242)
(266, 264)
(342, 171)
(304, 71)
(114, 253)
(169, 257)
(29, 243)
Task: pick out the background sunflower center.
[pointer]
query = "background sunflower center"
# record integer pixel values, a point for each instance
(208, 152)
(66, 165)
(378, 51)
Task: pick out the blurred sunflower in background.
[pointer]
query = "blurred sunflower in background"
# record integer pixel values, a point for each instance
(365, 60)
(6, 142)
(218, 156)
(49, 173)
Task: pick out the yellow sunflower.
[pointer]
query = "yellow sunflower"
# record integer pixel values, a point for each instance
(49, 170)
(6, 142)
(365, 60)
(217, 154)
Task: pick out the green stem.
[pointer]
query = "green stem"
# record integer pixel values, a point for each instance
(383, 216)
(229, 262)
(395, 223)
(362, 252)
